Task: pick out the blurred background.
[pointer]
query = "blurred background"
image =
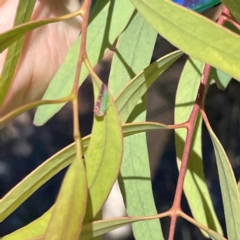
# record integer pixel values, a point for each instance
(23, 147)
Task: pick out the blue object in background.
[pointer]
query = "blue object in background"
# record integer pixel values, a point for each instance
(198, 5)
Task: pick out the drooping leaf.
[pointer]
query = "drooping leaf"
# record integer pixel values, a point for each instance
(230, 195)
(195, 187)
(135, 179)
(104, 155)
(208, 42)
(69, 209)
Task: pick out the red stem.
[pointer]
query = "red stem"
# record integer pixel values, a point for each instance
(226, 16)
(199, 105)
(76, 130)
(85, 8)
(176, 207)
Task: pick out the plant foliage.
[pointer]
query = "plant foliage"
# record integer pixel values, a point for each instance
(116, 148)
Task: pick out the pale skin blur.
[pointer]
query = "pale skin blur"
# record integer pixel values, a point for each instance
(43, 52)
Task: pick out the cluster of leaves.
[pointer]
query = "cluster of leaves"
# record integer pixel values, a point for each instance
(117, 146)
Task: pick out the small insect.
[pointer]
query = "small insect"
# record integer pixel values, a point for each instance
(102, 100)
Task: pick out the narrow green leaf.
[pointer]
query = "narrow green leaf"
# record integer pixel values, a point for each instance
(98, 228)
(35, 180)
(69, 210)
(208, 232)
(105, 145)
(23, 14)
(105, 27)
(138, 127)
(195, 187)
(230, 196)
(135, 179)
(35, 228)
(9, 37)
(137, 87)
(208, 42)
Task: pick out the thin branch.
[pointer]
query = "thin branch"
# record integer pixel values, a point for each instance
(7, 118)
(190, 125)
(77, 136)
(198, 106)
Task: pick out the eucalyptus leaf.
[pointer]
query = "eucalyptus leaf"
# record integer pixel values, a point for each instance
(69, 209)
(228, 186)
(208, 42)
(105, 145)
(135, 179)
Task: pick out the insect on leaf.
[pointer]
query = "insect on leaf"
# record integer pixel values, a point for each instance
(102, 101)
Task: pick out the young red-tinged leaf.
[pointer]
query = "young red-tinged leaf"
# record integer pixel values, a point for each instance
(69, 209)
